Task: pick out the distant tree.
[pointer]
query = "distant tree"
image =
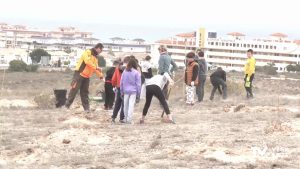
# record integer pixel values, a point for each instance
(139, 40)
(101, 61)
(116, 39)
(36, 55)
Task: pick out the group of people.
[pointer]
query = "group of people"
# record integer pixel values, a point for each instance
(128, 81)
(196, 71)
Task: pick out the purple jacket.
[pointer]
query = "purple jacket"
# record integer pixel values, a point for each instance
(130, 82)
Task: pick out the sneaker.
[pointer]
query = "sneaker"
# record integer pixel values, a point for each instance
(142, 121)
(130, 122)
(87, 111)
(122, 121)
(168, 121)
(113, 120)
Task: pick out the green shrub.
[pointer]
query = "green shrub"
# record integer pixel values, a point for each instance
(291, 68)
(32, 68)
(268, 69)
(17, 66)
(67, 62)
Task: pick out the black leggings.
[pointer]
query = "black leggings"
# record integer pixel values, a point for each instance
(154, 90)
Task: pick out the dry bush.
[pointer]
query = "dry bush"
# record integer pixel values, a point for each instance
(45, 101)
(278, 126)
(235, 87)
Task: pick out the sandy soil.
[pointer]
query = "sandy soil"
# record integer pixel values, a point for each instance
(237, 133)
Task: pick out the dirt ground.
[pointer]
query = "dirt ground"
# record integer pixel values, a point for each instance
(262, 133)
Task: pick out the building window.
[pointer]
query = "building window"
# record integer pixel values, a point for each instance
(244, 45)
(237, 45)
(259, 46)
(248, 45)
(274, 47)
(255, 46)
(230, 44)
(233, 44)
(271, 47)
(226, 44)
(212, 43)
(252, 46)
(267, 47)
(217, 43)
(223, 44)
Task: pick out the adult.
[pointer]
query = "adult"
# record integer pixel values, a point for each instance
(86, 66)
(202, 75)
(218, 78)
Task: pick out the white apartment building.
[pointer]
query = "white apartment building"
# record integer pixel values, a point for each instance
(230, 52)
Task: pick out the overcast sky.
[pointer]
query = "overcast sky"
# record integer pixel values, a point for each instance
(252, 17)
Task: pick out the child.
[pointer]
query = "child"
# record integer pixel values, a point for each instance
(154, 87)
(109, 93)
(146, 74)
(191, 77)
(147, 68)
(130, 87)
(116, 79)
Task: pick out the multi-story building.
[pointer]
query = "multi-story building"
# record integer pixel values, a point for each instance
(177, 46)
(18, 36)
(16, 39)
(230, 52)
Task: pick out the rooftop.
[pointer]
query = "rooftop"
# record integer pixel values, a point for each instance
(281, 35)
(236, 34)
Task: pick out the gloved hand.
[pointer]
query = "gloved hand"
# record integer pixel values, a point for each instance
(247, 84)
(192, 83)
(115, 89)
(171, 82)
(248, 79)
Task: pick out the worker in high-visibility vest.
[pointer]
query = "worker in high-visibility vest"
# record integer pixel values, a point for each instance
(249, 69)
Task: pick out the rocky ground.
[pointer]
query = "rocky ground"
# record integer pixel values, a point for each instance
(262, 133)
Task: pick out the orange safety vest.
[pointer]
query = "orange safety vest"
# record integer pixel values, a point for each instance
(189, 73)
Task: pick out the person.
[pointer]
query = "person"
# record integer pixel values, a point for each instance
(108, 87)
(164, 60)
(116, 79)
(147, 68)
(202, 75)
(218, 78)
(249, 69)
(164, 65)
(191, 77)
(86, 66)
(130, 88)
(154, 87)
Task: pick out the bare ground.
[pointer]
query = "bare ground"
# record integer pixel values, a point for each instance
(237, 133)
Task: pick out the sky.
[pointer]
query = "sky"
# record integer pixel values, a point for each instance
(156, 19)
